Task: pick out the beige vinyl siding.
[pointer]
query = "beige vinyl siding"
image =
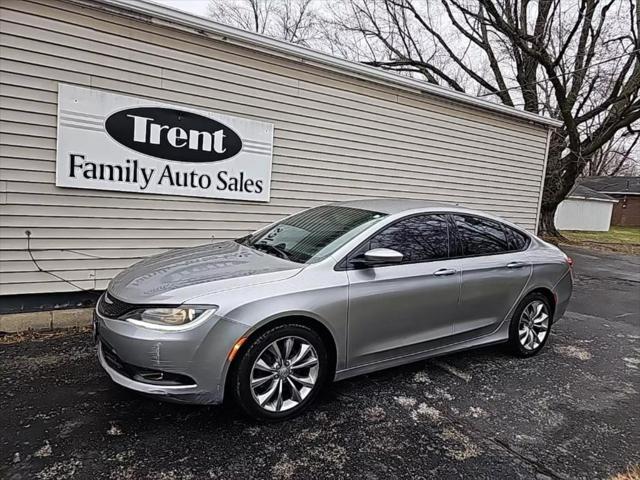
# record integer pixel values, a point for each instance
(336, 137)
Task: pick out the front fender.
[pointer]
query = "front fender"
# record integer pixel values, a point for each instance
(327, 306)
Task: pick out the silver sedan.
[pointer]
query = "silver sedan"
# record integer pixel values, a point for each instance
(334, 291)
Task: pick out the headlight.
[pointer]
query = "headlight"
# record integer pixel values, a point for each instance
(179, 318)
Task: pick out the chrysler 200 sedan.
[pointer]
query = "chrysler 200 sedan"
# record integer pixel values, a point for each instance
(326, 294)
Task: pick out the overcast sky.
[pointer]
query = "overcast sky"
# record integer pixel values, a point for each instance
(199, 7)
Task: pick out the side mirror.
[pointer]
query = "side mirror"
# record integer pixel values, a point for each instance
(382, 256)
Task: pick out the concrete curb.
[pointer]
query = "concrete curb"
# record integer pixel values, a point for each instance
(49, 320)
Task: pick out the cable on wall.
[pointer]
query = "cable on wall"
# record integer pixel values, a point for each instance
(40, 269)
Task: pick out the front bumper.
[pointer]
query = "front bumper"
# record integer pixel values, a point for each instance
(191, 366)
(180, 391)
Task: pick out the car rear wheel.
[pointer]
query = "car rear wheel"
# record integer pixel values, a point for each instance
(530, 325)
(281, 372)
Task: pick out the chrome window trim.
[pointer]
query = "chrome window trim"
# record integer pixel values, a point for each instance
(343, 264)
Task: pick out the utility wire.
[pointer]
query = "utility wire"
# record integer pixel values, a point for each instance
(558, 76)
(40, 269)
(86, 254)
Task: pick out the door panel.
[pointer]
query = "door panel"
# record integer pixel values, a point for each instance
(397, 310)
(489, 289)
(492, 276)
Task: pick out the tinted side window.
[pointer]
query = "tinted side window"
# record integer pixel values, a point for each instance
(419, 238)
(480, 236)
(516, 240)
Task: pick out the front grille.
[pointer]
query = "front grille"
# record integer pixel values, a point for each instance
(110, 307)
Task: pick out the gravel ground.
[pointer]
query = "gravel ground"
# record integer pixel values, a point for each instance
(571, 412)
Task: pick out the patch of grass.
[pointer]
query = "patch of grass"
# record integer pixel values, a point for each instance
(617, 239)
(625, 235)
(632, 473)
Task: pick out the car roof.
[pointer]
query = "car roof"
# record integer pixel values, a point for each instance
(392, 206)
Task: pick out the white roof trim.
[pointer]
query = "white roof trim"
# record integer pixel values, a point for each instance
(576, 197)
(244, 38)
(618, 193)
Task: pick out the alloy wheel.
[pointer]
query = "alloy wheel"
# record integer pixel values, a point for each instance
(284, 374)
(534, 325)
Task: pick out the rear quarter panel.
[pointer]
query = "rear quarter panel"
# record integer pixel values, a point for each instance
(551, 271)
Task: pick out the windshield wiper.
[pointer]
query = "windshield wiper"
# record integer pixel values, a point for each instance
(243, 240)
(272, 249)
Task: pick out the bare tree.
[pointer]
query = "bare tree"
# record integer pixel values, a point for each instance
(251, 15)
(577, 61)
(619, 156)
(292, 20)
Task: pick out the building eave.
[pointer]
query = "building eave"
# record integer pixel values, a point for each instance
(163, 15)
(619, 193)
(572, 197)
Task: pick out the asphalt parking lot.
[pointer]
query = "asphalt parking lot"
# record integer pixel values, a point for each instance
(571, 412)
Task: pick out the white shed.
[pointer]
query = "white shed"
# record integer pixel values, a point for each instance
(585, 209)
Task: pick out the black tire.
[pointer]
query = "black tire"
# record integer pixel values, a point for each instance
(515, 345)
(241, 374)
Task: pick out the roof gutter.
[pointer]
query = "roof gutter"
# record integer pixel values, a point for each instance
(592, 199)
(203, 25)
(618, 193)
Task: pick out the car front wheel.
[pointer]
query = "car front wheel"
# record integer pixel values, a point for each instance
(281, 372)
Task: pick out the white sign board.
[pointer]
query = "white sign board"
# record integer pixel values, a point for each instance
(115, 142)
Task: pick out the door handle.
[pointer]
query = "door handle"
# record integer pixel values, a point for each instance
(444, 271)
(515, 265)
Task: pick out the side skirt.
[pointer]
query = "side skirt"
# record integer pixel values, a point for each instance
(500, 336)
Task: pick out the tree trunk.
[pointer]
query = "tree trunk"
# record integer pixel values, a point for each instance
(562, 173)
(547, 225)
(556, 186)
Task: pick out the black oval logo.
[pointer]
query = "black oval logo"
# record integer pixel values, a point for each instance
(173, 134)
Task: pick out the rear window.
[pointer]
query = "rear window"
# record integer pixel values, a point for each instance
(480, 236)
(516, 240)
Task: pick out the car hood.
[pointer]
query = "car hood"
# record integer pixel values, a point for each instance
(178, 275)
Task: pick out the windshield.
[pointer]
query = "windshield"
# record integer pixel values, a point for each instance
(313, 234)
